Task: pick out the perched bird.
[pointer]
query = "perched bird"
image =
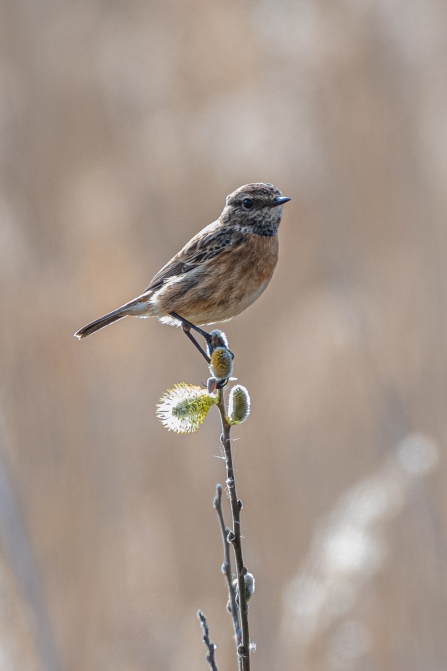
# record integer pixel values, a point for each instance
(219, 272)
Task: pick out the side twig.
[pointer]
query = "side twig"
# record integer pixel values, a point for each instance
(226, 567)
(234, 537)
(206, 639)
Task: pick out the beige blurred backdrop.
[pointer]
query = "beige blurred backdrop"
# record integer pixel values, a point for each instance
(123, 127)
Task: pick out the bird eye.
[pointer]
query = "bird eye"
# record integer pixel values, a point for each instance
(247, 203)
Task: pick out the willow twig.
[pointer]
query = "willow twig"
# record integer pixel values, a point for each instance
(234, 537)
(206, 639)
(226, 567)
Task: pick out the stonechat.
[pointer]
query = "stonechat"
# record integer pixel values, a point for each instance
(219, 272)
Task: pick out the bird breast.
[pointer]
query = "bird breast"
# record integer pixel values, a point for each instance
(223, 286)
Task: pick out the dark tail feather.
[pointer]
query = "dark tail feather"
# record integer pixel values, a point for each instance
(100, 323)
(138, 308)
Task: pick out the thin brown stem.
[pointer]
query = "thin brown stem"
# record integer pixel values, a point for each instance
(226, 567)
(206, 639)
(234, 537)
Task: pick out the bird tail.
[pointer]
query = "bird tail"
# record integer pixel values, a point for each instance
(137, 307)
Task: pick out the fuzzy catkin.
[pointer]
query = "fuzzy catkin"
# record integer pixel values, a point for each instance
(221, 364)
(184, 408)
(238, 405)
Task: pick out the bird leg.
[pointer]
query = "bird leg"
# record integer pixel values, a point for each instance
(203, 333)
(187, 331)
(186, 328)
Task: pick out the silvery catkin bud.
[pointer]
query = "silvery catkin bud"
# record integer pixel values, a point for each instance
(238, 405)
(249, 581)
(218, 339)
(221, 364)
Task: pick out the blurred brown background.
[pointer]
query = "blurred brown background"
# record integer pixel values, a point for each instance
(123, 127)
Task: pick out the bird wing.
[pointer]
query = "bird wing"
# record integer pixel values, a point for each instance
(209, 243)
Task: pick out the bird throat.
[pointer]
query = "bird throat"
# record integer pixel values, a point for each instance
(265, 229)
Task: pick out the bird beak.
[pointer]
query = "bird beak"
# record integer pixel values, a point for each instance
(279, 201)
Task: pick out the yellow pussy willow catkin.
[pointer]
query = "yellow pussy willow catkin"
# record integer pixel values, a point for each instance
(221, 364)
(184, 408)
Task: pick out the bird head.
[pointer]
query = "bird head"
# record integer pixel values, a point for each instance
(254, 207)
